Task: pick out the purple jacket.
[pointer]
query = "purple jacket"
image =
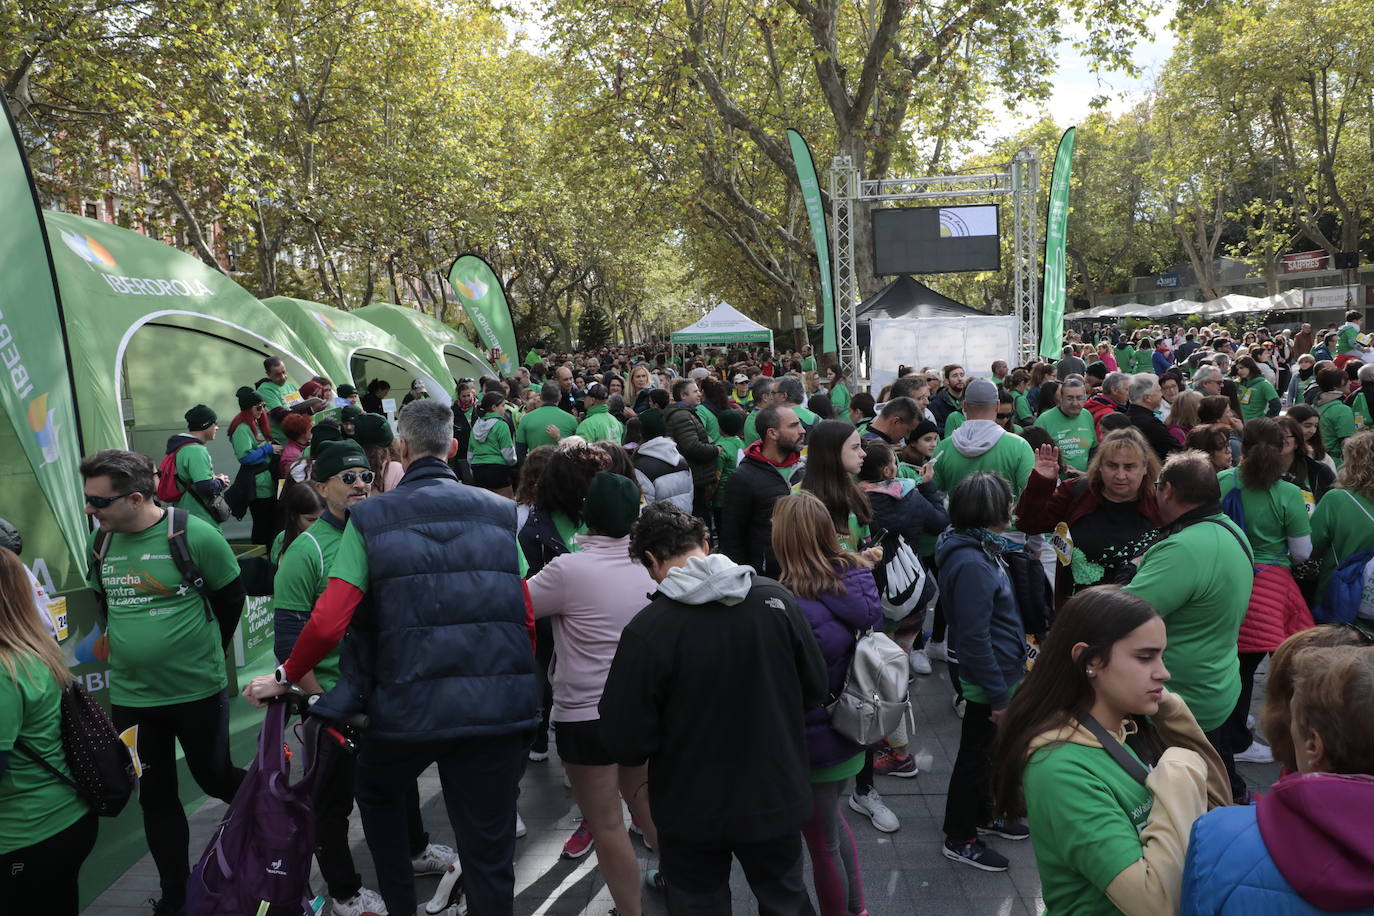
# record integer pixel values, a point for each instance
(835, 620)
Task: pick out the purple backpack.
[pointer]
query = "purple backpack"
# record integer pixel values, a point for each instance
(258, 861)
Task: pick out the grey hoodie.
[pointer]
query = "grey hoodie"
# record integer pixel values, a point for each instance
(702, 580)
(976, 437)
(482, 428)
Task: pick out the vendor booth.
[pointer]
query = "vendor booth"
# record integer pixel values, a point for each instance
(722, 325)
(446, 352)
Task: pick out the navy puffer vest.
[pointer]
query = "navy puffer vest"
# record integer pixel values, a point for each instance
(440, 647)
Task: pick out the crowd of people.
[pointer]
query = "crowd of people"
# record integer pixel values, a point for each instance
(663, 561)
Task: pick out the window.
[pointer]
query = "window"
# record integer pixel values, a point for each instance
(92, 211)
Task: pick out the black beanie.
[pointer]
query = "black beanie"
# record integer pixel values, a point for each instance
(924, 428)
(336, 456)
(200, 417)
(248, 398)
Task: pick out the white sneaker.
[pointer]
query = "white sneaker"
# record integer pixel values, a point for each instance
(520, 829)
(434, 860)
(871, 805)
(935, 651)
(958, 703)
(1256, 753)
(920, 662)
(539, 756)
(367, 901)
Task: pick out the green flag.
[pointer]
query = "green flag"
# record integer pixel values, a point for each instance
(1056, 231)
(485, 302)
(815, 214)
(37, 390)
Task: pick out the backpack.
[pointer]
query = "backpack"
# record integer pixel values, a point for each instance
(258, 860)
(900, 577)
(191, 576)
(875, 698)
(100, 763)
(1033, 591)
(1349, 592)
(170, 489)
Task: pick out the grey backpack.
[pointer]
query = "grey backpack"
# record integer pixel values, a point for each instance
(874, 699)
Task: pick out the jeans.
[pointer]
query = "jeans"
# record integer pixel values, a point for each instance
(42, 878)
(480, 778)
(202, 728)
(698, 876)
(969, 802)
(834, 860)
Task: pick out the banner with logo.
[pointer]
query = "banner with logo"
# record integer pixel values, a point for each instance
(1056, 234)
(479, 290)
(820, 235)
(36, 387)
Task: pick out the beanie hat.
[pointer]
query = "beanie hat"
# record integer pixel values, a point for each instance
(612, 504)
(200, 417)
(248, 398)
(924, 428)
(336, 456)
(350, 413)
(980, 393)
(347, 391)
(324, 433)
(653, 423)
(1097, 370)
(372, 429)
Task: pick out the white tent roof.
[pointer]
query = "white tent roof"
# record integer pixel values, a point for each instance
(1232, 304)
(723, 324)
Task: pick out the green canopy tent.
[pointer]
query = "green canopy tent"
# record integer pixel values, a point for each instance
(445, 349)
(356, 350)
(723, 324)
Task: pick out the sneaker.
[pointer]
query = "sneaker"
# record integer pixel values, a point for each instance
(958, 703)
(654, 880)
(935, 651)
(920, 662)
(366, 902)
(890, 763)
(520, 829)
(164, 908)
(435, 860)
(1256, 753)
(580, 843)
(870, 804)
(1007, 830)
(976, 853)
(539, 756)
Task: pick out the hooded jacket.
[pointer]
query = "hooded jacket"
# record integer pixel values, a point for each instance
(715, 677)
(1305, 848)
(982, 445)
(985, 627)
(835, 619)
(915, 512)
(662, 473)
(693, 442)
(746, 522)
(491, 441)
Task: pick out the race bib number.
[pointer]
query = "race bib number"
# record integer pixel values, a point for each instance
(57, 609)
(1309, 501)
(1062, 542)
(1245, 395)
(291, 399)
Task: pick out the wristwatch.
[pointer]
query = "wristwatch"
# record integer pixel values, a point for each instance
(280, 677)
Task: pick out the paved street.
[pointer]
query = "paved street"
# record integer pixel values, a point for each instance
(903, 872)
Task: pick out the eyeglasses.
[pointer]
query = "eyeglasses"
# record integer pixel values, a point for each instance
(105, 502)
(351, 477)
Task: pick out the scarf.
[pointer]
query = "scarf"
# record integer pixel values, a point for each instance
(992, 541)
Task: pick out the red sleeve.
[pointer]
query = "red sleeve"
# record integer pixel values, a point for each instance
(1035, 510)
(326, 627)
(529, 614)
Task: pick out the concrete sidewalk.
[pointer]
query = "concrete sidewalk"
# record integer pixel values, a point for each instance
(903, 872)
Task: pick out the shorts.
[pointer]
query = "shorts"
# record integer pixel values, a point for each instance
(491, 476)
(580, 743)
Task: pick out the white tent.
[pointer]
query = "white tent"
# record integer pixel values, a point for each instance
(723, 324)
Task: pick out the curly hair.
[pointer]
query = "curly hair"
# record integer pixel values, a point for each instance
(1357, 473)
(664, 531)
(564, 483)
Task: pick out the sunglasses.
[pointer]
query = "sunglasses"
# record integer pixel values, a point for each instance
(1365, 636)
(351, 477)
(105, 502)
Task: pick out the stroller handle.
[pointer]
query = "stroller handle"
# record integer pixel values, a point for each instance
(303, 703)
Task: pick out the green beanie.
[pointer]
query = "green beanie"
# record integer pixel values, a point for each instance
(248, 398)
(612, 504)
(322, 434)
(200, 417)
(653, 423)
(338, 456)
(372, 429)
(350, 413)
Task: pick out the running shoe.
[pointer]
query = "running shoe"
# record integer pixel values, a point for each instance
(891, 763)
(366, 902)
(977, 854)
(539, 756)
(919, 661)
(520, 828)
(653, 879)
(958, 703)
(935, 651)
(435, 860)
(580, 843)
(870, 804)
(1256, 753)
(1007, 830)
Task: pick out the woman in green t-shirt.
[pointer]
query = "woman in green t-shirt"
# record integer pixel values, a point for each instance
(839, 391)
(1104, 842)
(1257, 396)
(46, 829)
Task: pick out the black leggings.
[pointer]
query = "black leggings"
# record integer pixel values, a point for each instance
(42, 878)
(264, 513)
(202, 728)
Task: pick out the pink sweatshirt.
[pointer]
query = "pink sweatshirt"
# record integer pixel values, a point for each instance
(591, 595)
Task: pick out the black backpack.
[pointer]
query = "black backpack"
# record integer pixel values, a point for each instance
(101, 766)
(1034, 593)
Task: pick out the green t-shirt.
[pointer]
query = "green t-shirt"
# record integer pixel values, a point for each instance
(807, 417)
(730, 448)
(600, 426)
(163, 650)
(1011, 458)
(302, 574)
(1360, 412)
(1346, 340)
(1075, 438)
(350, 558)
(839, 399)
(808, 364)
(530, 431)
(274, 395)
(244, 439)
(1271, 517)
(1125, 358)
(1020, 406)
(1343, 525)
(954, 421)
(1337, 424)
(751, 432)
(274, 552)
(34, 804)
(1255, 395)
(1085, 815)
(193, 464)
(490, 450)
(1199, 580)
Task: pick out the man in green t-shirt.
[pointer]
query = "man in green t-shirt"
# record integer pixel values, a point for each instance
(277, 392)
(196, 476)
(534, 429)
(1199, 579)
(598, 425)
(166, 642)
(982, 444)
(1070, 425)
(1336, 421)
(808, 362)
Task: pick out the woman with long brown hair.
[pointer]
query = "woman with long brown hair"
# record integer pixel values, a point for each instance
(46, 829)
(834, 455)
(836, 592)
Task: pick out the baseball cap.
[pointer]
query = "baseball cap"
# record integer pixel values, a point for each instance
(980, 393)
(741, 378)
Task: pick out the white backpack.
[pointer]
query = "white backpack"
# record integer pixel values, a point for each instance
(875, 697)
